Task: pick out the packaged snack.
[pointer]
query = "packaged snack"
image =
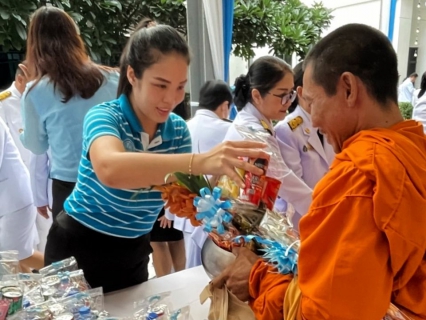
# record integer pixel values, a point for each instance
(270, 193)
(154, 307)
(27, 281)
(254, 184)
(69, 264)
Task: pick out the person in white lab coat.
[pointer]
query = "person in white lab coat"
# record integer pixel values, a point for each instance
(10, 112)
(17, 213)
(208, 129)
(41, 186)
(406, 89)
(303, 148)
(263, 95)
(419, 108)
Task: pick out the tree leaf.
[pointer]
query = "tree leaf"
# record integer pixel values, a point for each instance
(21, 31)
(4, 14)
(108, 51)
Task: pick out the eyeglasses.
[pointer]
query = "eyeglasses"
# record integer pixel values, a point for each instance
(285, 98)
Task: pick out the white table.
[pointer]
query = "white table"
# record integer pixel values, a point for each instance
(185, 287)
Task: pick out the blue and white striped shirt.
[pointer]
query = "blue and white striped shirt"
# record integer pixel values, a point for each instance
(118, 212)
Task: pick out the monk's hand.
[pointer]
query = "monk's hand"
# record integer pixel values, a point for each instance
(236, 276)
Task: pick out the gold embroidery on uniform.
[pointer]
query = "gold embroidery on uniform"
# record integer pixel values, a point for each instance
(266, 126)
(307, 130)
(293, 124)
(5, 95)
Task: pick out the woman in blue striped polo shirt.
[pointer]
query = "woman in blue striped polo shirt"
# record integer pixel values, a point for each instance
(131, 144)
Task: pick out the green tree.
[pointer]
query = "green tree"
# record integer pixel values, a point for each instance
(285, 26)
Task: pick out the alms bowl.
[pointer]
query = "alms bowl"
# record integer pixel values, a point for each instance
(214, 258)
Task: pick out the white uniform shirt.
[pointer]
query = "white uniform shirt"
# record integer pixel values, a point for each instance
(405, 91)
(293, 190)
(15, 189)
(10, 112)
(301, 148)
(419, 111)
(207, 131)
(415, 97)
(41, 184)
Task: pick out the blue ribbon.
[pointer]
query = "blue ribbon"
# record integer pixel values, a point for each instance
(175, 315)
(284, 258)
(212, 211)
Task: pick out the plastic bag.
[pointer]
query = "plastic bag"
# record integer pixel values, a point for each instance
(180, 314)
(157, 306)
(64, 284)
(9, 262)
(27, 281)
(69, 264)
(277, 168)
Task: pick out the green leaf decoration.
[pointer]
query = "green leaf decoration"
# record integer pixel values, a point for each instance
(192, 182)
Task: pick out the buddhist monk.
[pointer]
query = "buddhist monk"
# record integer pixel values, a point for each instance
(363, 241)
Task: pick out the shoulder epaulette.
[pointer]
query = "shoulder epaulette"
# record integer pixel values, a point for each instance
(266, 127)
(294, 123)
(5, 95)
(227, 120)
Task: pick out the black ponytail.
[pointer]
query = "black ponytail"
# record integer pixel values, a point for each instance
(422, 86)
(241, 92)
(263, 75)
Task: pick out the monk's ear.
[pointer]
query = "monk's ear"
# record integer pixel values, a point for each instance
(350, 87)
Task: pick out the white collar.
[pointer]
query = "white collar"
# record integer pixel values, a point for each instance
(206, 112)
(15, 91)
(251, 109)
(305, 114)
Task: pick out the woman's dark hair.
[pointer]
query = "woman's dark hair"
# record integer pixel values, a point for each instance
(422, 85)
(55, 49)
(263, 75)
(182, 110)
(145, 47)
(145, 23)
(213, 93)
(298, 82)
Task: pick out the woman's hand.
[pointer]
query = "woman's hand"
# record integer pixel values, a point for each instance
(44, 211)
(164, 222)
(226, 157)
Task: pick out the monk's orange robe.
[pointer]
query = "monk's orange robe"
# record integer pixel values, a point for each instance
(363, 241)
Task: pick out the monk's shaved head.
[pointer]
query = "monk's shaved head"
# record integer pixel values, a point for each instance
(361, 50)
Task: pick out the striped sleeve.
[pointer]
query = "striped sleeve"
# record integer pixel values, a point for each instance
(100, 121)
(185, 145)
